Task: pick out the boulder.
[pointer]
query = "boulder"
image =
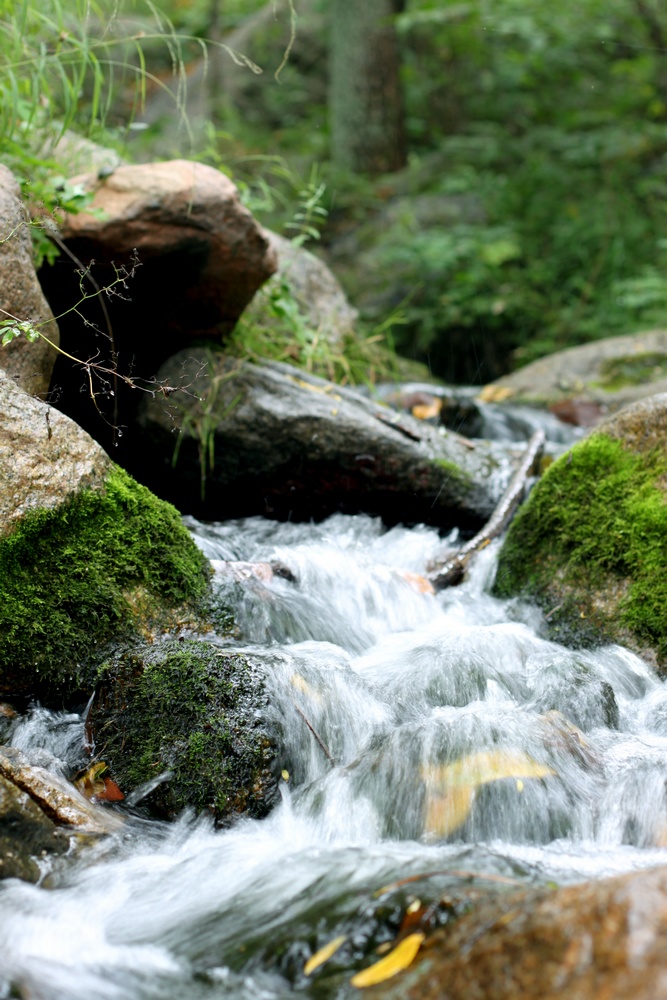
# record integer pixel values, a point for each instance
(585, 383)
(589, 544)
(188, 217)
(29, 364)
(182, 721)
(86, 553)
(584, 942)
(45, 458)
(323, 308)
(27, 836)
(274, 440)
(180, 257)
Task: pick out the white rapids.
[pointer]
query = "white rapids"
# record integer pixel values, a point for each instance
(398, 685)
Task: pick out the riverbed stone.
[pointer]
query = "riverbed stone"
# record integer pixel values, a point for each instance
(57, 798)
(28, 364)
(27, 835)
(184, 716)
(87, 554)
(588, 382)
(323, 307)
(604, 939)
(590, 543)
(290, 445)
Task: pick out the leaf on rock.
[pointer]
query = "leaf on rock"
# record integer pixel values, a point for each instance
(398, 959)
(450, 788)
(94, 784)
(427, 411)
(300, 684)
(323, 955)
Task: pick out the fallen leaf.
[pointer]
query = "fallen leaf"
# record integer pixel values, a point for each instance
(494, 393)
(450, 788)
(402, 956)
(110, 793)
(94, 785)
(284, 774)
(300, 683)
(427, 411)
(446, 813)
(323, 955)
(417, 582)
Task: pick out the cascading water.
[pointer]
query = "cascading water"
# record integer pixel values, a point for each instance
(418, 734)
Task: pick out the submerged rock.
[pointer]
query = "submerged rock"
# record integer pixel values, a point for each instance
(27, 835)
(29, 364)
(87, 554)
(590, 542)
(584, 942)
(183, 718)
(275, 440)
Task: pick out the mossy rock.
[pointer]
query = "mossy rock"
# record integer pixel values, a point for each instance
(590, 544)
(96, 568)
(187, 708)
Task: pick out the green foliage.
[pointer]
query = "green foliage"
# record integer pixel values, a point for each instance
(191, 709)
(70, 578)
(283, 333)
(547, 125)
(596, 521)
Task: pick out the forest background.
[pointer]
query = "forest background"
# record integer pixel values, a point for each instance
(487, 178)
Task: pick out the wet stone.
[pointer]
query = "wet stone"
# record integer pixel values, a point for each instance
(27, 835)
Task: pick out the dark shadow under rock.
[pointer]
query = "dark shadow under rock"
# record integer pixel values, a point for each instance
(241, 439)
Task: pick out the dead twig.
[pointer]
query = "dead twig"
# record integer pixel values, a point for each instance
(452, 571)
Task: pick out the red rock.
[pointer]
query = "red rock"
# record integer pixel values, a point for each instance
(188, 214)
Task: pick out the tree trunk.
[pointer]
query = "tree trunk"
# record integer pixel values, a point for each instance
(365, 101)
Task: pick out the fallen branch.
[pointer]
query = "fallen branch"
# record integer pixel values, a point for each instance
(318, 738)
(452, 571)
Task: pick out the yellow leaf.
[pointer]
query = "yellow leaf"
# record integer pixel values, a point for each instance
(301, 684)
(91, 783)
(483, 767)
(427, 411)
(446, 813)
(495, 393)
(284, 774)
(402, 956)
(323, 955)
(450, 788)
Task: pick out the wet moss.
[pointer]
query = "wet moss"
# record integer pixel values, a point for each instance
(187, 708)
(75, 577)
(591, 542)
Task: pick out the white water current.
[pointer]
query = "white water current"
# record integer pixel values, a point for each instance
(570, 752)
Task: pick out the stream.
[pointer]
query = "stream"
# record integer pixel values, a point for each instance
(562, 763)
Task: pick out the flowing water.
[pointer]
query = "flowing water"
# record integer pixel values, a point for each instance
(562, 763)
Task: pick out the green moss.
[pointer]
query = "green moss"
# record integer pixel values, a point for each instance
(187, 708)
(454, 472)
(634, 369)
(595, 524)
(71, 579)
